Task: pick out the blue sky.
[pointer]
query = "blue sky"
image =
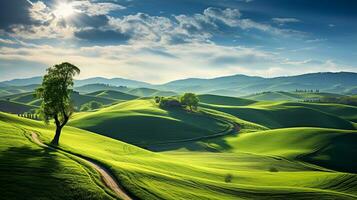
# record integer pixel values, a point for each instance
(158, 41)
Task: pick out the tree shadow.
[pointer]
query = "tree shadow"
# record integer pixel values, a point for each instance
(40, 173)
(207, 144)
(26, 172)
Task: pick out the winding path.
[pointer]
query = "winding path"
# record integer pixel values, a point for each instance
(107, 178)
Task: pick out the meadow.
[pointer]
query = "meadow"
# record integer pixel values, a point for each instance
(231, 148)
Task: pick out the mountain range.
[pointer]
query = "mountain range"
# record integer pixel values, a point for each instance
(235, 85)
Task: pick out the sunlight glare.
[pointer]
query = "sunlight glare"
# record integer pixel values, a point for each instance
(64, 10)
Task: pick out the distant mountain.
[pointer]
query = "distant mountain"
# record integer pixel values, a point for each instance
(100, 87)
(22, 81)
(9, 90)
(78, 83)
(238, 85)
(112, 81)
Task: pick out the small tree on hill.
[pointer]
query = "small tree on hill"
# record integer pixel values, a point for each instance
(55, 93)
(91, 106)
(190, 99)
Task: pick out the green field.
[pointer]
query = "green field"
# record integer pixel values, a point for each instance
(231, 148)
(290, 96)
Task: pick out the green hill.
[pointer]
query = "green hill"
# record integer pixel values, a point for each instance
(14, 107)
(330, 148)
(142, 122)
(78, 99)
(113, 95)
(148, 92)
(7, 90)
(291, 96)
(99, 87)
(224, 100)
(281, 115)
(262, 165)
(31, 172)
(346, 112)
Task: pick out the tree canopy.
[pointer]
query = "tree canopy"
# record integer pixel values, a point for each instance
(55, 93)
(189, 99)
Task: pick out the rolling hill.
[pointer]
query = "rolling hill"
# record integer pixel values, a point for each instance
(30, 100)
(224, 100)
(15, 107)
(148, 92)
(111, 94)
(141, 122)
(285, 114)
(291, 96)
(266, 164)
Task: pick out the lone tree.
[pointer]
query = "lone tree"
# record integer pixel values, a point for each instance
(55, 93)
(190, 100)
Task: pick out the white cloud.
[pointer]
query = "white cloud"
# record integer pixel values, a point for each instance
(188, 28)
(160, 63)
(7, 41)
(282, 21)
(48, 25)
(93, 9)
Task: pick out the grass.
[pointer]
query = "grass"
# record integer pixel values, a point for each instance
(284, 115)
(30, 100)
(346, 112)
(284, 150)
(200, 175)
(148, 92)
(111, 94)
(223, 100)
(142, 122)
(14, 107)
(289, 96)
(30, 171)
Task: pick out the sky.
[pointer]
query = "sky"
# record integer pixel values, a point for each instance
(162, 40)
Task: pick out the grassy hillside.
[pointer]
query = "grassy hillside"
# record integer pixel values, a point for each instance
(247, 171)
(343, 111)
(111, 94)
(282, 115)
(14, 107)
(290, 96)
(30, 171)
(99, 87)
(224, 100)
(142, 122)
(78, 99)
(148, 92)
(6, 90)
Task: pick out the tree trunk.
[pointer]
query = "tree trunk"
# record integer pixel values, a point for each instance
(57, 135)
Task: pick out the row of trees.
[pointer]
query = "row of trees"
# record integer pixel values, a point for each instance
(29, 116)
(308, 91)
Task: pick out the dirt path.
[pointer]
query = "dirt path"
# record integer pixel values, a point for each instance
(107, 179)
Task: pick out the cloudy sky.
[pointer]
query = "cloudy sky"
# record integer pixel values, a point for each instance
(158, 41)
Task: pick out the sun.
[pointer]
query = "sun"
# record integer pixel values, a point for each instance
(64, 10)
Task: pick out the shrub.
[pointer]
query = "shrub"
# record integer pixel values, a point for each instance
(273, 169)
(91, 106)
(228, 178)
(168, 102)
